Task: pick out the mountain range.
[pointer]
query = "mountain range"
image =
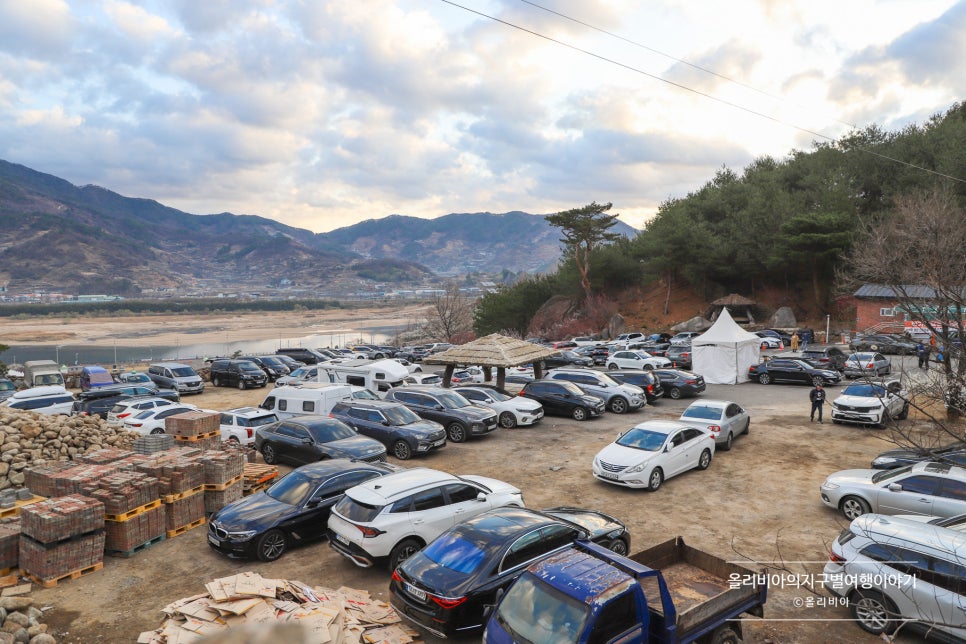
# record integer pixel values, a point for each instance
(55, 236)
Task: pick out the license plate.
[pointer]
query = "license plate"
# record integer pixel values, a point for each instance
(415, 592)
(608, 475)
(439, 442)
(340, 538)
(213, 541)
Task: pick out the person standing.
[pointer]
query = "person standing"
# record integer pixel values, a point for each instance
(923, 354)
(817, 396)
(795, 341)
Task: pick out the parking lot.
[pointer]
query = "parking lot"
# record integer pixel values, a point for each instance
(758, 504)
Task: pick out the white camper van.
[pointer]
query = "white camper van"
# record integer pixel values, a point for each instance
(379, 375)
(309, 398)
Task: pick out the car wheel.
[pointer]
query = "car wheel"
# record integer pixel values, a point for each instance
(216, 381)
(617, 546)
(157, 430)
(747, 427)
(403, 551)
(873, 612)
(728, 443)
(456, 433)
(380, 356)
(853, 507)
(888, 370)
(402, 450)
(705, 460)
(764, 378)
(655, 480)
(268, 453)
(817, 380)
(241, 384)
(579, 413)
(725, 635)
(270, 546)
(904, 414)
(508, 420)
(674, 392)
(648, 367)
(873, 347)
(233, 441)
(618, 405)
(612, 367)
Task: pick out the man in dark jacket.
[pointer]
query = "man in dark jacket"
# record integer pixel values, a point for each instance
(817, 396)
(923, 352)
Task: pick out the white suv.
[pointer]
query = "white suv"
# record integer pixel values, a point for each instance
(128, 407)
(619, 398)
(896, 571)
(238, 425)
(871, 403)
(48, 399)
(399, 513)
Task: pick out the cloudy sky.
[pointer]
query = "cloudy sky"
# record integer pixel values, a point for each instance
(323, 113)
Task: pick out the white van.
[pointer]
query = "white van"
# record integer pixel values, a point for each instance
(48, 399)
(379, 375)
(309, 398)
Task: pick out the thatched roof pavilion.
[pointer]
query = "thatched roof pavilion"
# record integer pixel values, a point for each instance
(740, 307)
(491, 351)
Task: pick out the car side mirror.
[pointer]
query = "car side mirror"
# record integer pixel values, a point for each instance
(667, 448)
(312, 503)
(306, 441)
(620, 434)
(895, 487)
(481, 497)
(439, 408)
(385, 423)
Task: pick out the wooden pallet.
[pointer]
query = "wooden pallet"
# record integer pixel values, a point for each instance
(171, 498)
(51, 583)
(256, 475)
(248, 491)
(15, 510)
(221, 487)
(185, 528)
(136, 549)
(130, 514)
(199, 437)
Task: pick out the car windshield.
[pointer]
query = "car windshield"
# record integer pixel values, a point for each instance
(865, 389)
(248, 365)
(6, 385)
(456, 553)
(497, 395)
(364, 394)
(293, 488)
(704, 412)
(273, 362)
(451, 400)
(888, 475)
(183, 372)
(400, 415)
(644, 439)
(570, 355)
(329, 430)
(356, 510)
(643, 355)
(607, 380)
(257, 421)
(433, 379)
(532, 611)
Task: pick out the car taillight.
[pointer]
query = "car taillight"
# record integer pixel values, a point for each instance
(650, 388)
(448, 602)
(369, 532)
(124, 415)
(714, 429)
(135, 424)
(870, 366)
(396, 577)
(248, 430)
(836, 559)
(691, 382)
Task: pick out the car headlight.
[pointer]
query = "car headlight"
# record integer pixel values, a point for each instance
(640, 467)
(830, 486)
(884, 460)
(243, 535)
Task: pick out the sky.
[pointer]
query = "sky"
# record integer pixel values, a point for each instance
(324, 113)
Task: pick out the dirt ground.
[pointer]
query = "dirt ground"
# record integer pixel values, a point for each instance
(758, 502)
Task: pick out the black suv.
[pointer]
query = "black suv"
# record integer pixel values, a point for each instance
(680, 356)
(308, 356)
(392, 424)
(825, 357)
(461, 418)
(272, 366)
(563, 398)
(645, 379)
(237, 373)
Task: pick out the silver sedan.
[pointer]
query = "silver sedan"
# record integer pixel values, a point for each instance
(723, 418)
(867, 364)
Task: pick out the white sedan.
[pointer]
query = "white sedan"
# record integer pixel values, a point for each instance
(723, 418)
(511, 410)
(652, 452)
(768, 341)
(636, 360)
(151, 421)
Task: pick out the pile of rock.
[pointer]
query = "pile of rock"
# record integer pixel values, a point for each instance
(28, 438)
(21, 622)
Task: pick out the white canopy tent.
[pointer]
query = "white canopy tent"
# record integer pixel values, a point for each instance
(723, 353)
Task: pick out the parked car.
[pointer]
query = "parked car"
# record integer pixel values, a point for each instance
(238, 425)
(564, 344)
(511, 410)
(49, 400)
(448, 586)
(937, 489)
(584, 341)
(825, 357)
(132, 389)
(635, 360)
(134, 378)
(597, 353)
(420, 378)
(152, 421)
(646, 380)
(243, 374)
(768, 341)
(461, 376)
(871, 403)
(94, 377)
(625, 339)
(652, 452)
(680, 356)
(302, 354)
(867, 365)
(175, 375)
(723, 418)
(678, 383)
(792, 371)
(7, 388)
(96, 405)
(459, 416)
(618, 398)
(292, 510)
(273, 368)
(783, 337)
(289, 362)
(684, 337)
(127, 407)
(561, 398)
(896, 572)
(954, 453)
(883, 344)
(567, 359)
(308, 373)
(307, 439)
(394, 517)
(657, 348)
(392, 424)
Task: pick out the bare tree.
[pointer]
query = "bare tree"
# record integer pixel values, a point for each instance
(450, 316)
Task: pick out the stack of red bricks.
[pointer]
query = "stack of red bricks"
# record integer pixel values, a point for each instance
(195, 428)
(103, 456)
(223, 478)
(61, 536)
(135, 516)
(57, 480)
(181, 487)
(9, 543)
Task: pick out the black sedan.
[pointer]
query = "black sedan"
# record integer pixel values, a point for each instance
(448, 585)
(392, 424)
(645, 379)
(567, 359)
(792, 371)
(883, 344)
(294, 509)
(893, 458)
(678, 383)
(307, 439)
(562, 398)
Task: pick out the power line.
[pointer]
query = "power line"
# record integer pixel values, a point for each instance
(685, 87)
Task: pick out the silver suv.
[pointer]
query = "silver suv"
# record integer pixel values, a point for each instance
(898, 571)
(174, 375)
(619, 398)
